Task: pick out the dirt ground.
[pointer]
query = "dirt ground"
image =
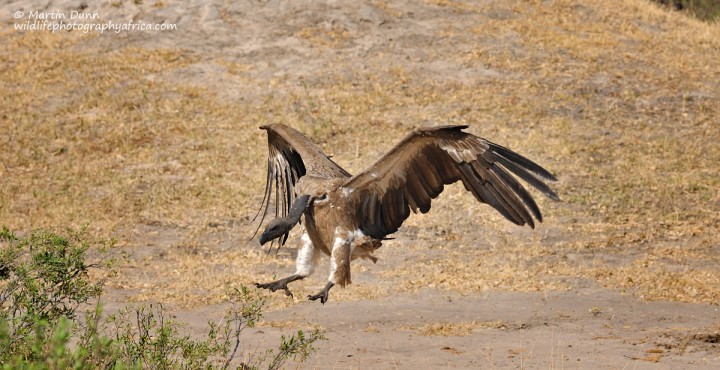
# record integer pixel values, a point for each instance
(150, 137)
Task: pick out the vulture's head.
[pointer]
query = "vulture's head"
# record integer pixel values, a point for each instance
(275, 229)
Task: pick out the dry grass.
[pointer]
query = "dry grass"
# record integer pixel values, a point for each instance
(458, 329)
(619, 99)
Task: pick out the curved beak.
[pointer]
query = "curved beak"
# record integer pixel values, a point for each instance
(264, 238)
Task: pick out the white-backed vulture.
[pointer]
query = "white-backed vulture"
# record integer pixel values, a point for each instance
(347, 217)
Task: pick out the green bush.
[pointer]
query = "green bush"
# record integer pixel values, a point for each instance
(43, 279)
(43, 282)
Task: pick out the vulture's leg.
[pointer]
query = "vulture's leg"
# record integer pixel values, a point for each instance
(306, 261)
(339, 268)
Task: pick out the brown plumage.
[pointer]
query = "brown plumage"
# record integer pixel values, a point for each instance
(347, 217)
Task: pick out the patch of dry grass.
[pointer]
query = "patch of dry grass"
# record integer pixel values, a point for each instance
(96, 139)
(178, 277)
(466, 272)
(457, 329)
(619, 99)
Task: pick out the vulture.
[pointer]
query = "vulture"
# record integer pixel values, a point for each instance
(347, 216)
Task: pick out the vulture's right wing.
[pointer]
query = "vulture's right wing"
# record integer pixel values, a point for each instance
(415, 171)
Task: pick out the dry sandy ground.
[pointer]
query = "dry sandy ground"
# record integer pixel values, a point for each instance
(620, 100)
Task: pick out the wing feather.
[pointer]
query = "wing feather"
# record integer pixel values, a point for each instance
(528, 176)
(507, 199)
(266, 194)
(519, 190)
(483, 192)
(415, 171)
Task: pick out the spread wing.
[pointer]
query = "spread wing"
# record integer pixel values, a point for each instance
(415, 171)
(291, 156)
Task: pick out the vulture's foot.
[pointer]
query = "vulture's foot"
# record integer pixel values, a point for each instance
(280, 284)
(323, 295)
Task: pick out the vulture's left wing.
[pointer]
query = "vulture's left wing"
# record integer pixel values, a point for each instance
(291, 156)
(415, 171)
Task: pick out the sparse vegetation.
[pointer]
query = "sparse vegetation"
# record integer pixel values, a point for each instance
(43, 282)
(462, 328)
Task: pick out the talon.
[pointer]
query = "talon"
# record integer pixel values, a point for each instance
(269, 286)
(323, 295)
(280, 284)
